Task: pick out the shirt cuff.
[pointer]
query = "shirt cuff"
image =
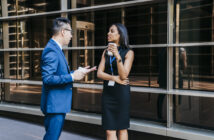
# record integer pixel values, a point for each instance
(72, 76)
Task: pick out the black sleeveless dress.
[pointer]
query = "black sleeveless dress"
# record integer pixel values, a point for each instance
(115, 99)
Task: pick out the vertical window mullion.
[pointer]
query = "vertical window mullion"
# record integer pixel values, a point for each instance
(170, 62)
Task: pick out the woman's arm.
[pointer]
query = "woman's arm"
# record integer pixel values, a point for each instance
(124, 69)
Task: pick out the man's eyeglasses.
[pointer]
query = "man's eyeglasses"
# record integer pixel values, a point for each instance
(69, 30)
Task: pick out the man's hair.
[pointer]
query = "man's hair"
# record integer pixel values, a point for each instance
(58, 24)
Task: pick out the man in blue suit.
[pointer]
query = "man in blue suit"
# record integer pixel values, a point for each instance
(57, 79)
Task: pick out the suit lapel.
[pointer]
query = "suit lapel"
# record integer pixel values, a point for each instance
(61, 53)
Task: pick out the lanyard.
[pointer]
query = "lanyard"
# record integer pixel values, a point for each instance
(111, 61)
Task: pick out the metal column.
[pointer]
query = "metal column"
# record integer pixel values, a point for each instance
(170, 26)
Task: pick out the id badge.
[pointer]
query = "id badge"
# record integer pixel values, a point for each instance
(111, 83)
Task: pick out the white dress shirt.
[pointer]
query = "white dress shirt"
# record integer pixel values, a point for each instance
(58, 44)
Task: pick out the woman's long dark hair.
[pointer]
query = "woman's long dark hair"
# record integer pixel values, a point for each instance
(124, 38)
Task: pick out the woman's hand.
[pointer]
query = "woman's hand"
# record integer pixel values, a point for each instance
(122, 82)
(113, 48)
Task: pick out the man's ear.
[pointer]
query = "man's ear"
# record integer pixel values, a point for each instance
(62, 32)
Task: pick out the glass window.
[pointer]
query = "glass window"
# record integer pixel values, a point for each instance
(1, 52)
(194, 65)
(24, 65)
(30, 33)
(87, 100)
(22, 93)
(147, 24)
(23, 7)
(194, 68)
(145, 69)
(1, 62)
(199, 108)
(1, 36)
(194, 21)
(0, 10)
(148, 106)
(88, 3)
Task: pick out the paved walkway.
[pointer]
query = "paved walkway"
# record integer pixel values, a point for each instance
(18, 130)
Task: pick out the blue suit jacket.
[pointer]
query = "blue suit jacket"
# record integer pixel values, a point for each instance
(57, 81)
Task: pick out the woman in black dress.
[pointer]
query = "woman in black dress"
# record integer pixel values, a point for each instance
(114, 70)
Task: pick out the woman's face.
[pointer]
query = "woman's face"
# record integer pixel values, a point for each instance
(113, 34)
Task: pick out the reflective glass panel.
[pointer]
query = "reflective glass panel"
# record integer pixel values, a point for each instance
(194, 68)
(23, 7)
(30, 33)
(22, 93)
(1, 36)
(145, 69)
(88, 3)
(1, 62)
(147, 24)
(194, 111)
(148, 106)
(87, 100)
(24, 65)
(0, 9)
(194, 21)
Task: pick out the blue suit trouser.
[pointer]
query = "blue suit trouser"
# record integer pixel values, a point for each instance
(53, 125)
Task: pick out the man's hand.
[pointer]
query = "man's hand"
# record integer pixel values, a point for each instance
(80, 73)
(87, 69)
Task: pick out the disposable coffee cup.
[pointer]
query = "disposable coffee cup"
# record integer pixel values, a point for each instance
(109, 52)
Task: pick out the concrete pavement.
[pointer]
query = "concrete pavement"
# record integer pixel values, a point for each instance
(11, 129)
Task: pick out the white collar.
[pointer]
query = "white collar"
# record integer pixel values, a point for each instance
(58, 44)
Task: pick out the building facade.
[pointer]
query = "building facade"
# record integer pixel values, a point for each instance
(172, 79)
